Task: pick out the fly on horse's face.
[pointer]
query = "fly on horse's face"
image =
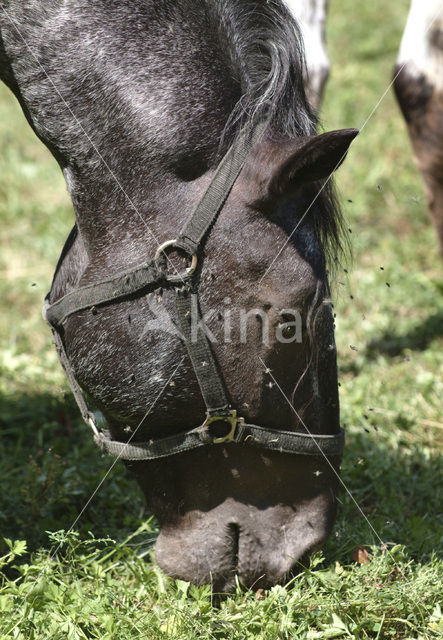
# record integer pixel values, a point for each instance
(139, 103)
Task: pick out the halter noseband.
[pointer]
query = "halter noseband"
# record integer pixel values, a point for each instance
(152, 275)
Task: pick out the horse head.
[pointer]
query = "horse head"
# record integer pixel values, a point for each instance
(139, 104)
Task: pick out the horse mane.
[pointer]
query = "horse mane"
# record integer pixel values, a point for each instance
(267, 58)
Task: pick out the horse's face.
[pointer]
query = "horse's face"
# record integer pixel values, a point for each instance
(135, 139)
(227, 509)
(131, 98)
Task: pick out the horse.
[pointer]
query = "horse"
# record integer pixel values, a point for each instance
(147, 106)
(311, 16)
(418, 89)
(416, 81)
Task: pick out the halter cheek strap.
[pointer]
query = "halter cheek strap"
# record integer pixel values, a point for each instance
(154, 274)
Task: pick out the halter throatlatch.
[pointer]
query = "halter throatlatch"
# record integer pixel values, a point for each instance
(154, 274)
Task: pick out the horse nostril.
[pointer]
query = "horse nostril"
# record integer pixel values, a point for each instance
(300, 565)
(234, 535)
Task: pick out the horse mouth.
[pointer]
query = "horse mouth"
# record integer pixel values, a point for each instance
(243, 544)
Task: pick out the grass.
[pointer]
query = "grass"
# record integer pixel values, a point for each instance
(99, 580)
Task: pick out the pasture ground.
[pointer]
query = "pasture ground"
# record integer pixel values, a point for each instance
(389, 332)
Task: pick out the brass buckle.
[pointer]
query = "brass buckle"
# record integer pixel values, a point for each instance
(232, 419)
(179, 277)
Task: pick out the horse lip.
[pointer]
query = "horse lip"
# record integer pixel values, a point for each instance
(238, 543)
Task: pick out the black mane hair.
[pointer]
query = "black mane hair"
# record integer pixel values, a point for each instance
(267, 57)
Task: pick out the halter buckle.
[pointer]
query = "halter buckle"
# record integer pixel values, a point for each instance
(232, 419)
(178, 277)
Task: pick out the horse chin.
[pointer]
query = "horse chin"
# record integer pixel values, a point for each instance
(252, 517)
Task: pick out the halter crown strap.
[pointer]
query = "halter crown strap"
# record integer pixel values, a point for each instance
(212, 201)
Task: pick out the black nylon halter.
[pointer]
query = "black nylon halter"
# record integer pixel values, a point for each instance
(152, 275)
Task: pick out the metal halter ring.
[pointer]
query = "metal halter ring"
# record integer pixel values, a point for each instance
(232, 419)
(179, 277)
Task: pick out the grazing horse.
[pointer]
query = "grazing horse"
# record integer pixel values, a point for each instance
(418, 85)
(419, 89)
(148, 106)
(311, 17)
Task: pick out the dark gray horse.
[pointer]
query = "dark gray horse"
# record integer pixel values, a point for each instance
(138, 100)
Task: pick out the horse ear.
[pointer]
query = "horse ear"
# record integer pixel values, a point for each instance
(314, 158)
(278, 169)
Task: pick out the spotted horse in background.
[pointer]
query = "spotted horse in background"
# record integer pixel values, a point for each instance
(418, 84)
(191, 115)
